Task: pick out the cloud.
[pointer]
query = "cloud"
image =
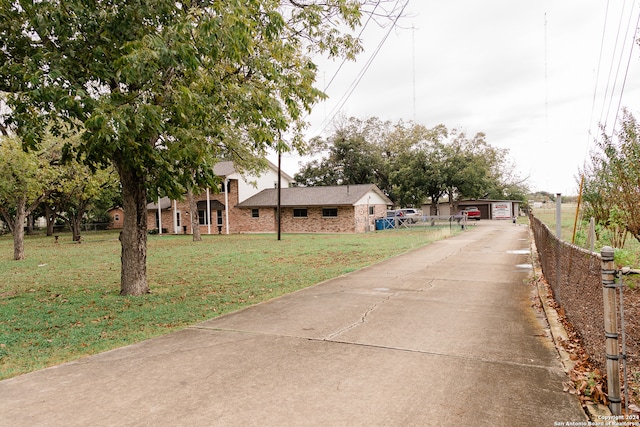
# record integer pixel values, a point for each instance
(524, 73)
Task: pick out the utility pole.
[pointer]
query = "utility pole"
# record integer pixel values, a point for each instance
(413, 48)
(279, 189)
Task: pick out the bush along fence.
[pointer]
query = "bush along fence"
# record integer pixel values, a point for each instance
(587, 286)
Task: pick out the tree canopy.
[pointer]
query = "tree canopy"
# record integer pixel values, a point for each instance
(413, 164)
(26, 179)
(163, 89)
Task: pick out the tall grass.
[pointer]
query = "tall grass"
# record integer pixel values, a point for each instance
(63, 301)
(629, 255)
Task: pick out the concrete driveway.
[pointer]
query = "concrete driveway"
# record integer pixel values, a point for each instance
(445, 335)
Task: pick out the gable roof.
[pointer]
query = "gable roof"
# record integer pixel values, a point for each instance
(228, 168)
(339, 195)
(224, 168)
(165, 203)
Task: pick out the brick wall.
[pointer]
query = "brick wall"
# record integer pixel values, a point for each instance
(365, 222)
(265, 222)
(315, 223)
(349, 220)
(117, 218)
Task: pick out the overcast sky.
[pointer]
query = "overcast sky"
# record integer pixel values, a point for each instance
(530, 75)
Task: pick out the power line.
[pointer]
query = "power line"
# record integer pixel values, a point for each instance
(344, 60)
(613, 81)
(546, 82)
(604, 118)
(626, 74)
(343, 100)
(595, 89)
(413, 63)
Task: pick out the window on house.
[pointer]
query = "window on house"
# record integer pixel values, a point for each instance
(300, 213)
(255, 213)
(177, 219)
(329, 212)
(202, 218)
(372, 210)
(219, 218)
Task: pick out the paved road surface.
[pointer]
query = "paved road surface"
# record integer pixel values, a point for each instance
(442, 336)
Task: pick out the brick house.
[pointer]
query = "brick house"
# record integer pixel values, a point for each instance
(329, 209)
(117, 217)
(224, 217)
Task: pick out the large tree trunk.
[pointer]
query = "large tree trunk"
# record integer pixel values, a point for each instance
(18, 230)
(75, 219)
(30, 224)
(133, 276)
(50, 215)
(195, 220)
(433, 208)
(16, 223)
(75, 223)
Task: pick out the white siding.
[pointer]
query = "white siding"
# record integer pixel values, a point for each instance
(267, 179)
(371, 198)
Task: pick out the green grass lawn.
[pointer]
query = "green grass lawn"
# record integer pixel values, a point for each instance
(63, 301)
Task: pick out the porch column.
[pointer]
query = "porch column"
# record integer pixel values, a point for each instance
(159, 217)
(175, 218)
(208, 214)
(226, 203)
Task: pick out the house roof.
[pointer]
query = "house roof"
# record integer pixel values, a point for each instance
(341, 195)
(165, 203)
(214, 205)
(226, 169)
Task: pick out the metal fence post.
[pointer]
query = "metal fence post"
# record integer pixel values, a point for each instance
(559, 215)
(591, 239)
(611, 329)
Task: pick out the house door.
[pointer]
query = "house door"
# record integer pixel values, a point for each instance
(219, 220)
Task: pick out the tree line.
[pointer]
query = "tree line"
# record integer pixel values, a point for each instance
(413, 164)
(39, 183)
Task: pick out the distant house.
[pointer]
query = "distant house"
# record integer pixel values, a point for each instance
(117, 217)
(217, 211)
(330, 209)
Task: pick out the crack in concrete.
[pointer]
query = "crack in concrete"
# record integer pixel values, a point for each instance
(498, 361)
(430, 285)
(362, 320)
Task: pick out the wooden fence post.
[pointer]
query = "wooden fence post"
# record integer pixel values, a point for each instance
(611, 329)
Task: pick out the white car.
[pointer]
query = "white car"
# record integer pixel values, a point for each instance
(411, 215)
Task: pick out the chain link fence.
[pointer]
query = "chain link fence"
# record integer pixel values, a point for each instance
(574, 275)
